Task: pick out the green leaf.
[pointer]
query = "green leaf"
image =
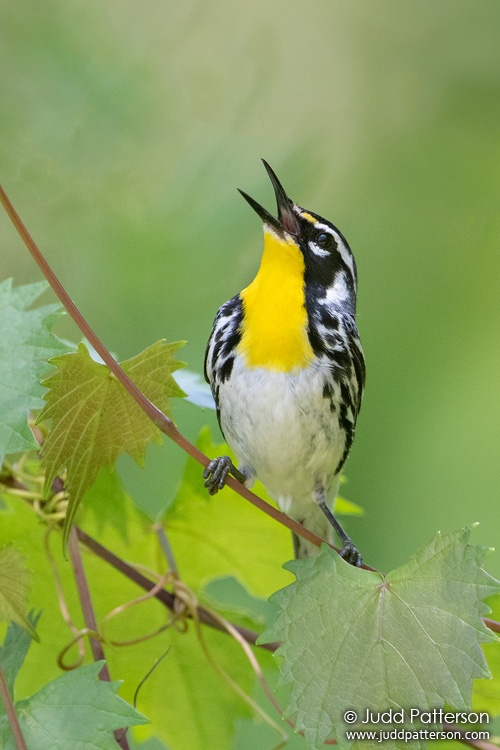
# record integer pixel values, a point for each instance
(353, 639)
(224, 534)
(26, 344)
(228, 595)
(14, 649)
(75, 710)
(94, 419)
(14, 588)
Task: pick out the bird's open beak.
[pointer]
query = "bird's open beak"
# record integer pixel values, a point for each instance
(286, 221)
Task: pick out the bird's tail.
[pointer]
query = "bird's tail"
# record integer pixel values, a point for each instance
(318, 524)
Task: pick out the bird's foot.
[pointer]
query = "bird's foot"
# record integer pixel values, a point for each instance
(216, 472)
(350, 554)
(349, 551)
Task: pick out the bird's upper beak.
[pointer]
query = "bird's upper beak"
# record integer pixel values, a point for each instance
(286, 221)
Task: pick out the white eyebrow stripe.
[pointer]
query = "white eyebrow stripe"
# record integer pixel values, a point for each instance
(317, 250)
(344, 253)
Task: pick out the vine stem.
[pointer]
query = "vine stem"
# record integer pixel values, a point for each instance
(158, 418)
(90, 619)
(492, 624)
(11, 713)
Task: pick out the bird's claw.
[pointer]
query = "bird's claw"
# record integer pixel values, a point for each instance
(350, 554)
(216, 472)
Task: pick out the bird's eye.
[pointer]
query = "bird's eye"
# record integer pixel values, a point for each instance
(325, 240)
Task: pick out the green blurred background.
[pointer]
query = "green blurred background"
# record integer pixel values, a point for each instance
(125, 128)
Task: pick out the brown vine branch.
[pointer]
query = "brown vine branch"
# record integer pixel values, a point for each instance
(11, 713)
(90, 619)
(156, 415)
(492, 624)
(64, 609)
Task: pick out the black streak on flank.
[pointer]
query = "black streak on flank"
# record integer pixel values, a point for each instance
(345, 402)
(226, 369)
(231, 343)
(349, 439)
(225, 338)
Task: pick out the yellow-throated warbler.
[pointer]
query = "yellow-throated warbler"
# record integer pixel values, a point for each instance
(286, 368)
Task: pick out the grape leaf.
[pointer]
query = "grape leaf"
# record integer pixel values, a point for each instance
(26, 342)
(75, 710)
(94, 419)
(354, 639)
(14, 586)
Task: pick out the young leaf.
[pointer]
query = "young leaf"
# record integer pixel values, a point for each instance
(14, 585)
(75, 710)
(353, 639)
(25, 345)
(94, 419)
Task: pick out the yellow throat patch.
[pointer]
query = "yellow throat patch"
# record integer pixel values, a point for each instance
(274, 328)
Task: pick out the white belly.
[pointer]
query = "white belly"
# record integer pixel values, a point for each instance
(282, 428)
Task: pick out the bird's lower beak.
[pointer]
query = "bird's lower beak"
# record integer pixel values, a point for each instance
(286, 221)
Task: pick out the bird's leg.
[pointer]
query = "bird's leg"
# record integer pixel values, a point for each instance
(217, 470)
(349, 551)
